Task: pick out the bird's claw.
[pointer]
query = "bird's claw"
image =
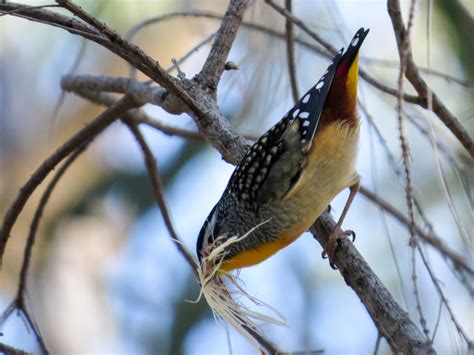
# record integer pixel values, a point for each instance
(350, 233)
(329, 251)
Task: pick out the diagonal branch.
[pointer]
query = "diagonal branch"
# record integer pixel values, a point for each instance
(272, 32)
(390, 319)
(6, 349)
(36, 220)
(432, 239)
(213, 68)
(387, 315)
(132, 54)
(207, 116)
(158, 192)
(19, 302)
(290, 54)
(413, 75)
(204, 111)
(87, 83)
(39, 14)
(89, 132)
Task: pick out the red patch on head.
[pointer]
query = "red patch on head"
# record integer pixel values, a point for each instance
(342, 69)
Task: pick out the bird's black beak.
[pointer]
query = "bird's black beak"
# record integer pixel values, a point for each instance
(351, 53)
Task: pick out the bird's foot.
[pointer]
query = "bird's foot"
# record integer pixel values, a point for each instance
(329, 251)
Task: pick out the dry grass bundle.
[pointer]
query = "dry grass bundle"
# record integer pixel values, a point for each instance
(223, 292)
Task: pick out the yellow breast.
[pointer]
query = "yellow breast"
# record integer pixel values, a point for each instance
(254, 256)
(329, 169)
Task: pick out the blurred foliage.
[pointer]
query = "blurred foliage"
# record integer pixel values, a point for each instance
(134, 186)
(460, 23)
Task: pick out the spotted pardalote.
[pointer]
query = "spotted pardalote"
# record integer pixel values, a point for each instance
(291, 174)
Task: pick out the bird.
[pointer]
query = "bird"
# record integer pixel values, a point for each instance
(289, 176)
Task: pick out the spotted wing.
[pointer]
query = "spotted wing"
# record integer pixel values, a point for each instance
(273, 164)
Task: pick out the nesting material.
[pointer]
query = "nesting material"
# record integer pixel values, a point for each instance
(223, 292)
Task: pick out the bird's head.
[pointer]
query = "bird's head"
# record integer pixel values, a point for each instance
(207, 233)
(343, 91)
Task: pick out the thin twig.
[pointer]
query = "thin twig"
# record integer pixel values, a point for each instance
(288, 15)
(26, 8)
(412, 74)
(407, 168)
(19, 305)
(158, 191)
(9, 350)
(193, 50)
(87, 133)
(394, 165)
(20, 298)
(181, 74)
(416, 293)
(74, 67)
(290, 54)
(385, 312)
(140, 116)
(377, 343)
(430, 238)
(213, 68)
(216, 16)
(37, 218)
(443, 148)
(435, 281)
(272, 32)
(438, 319)
(51, 18)
(391, 320)
(383, 214)
(436, 73)
(436, 147)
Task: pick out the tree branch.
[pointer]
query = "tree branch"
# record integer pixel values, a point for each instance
(88, 133)
(430, 238)
(158, 192)
(213, 68)
(290, 55)
(19, 302)
(9, 350)
(87, 83)
(413, 75)
(390, 319)
(36, 220)
(37, 14)
(205, 112)
(387, 315)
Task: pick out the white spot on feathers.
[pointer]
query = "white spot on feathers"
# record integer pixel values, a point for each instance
(355, 41)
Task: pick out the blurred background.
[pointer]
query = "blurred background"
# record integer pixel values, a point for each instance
(105, 276)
